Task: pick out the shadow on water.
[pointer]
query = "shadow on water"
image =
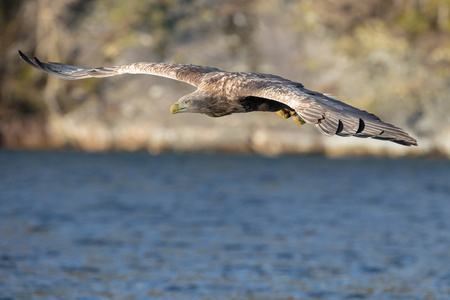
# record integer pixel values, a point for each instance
(134, 226)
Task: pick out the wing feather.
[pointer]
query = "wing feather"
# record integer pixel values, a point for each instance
(191, 74)
(329, 115)
(329, 125)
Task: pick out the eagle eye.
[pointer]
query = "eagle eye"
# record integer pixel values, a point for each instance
(188, 102)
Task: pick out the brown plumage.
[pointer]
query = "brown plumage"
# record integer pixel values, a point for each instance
(221, 93)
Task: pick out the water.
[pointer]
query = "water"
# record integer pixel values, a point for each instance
(135, 226)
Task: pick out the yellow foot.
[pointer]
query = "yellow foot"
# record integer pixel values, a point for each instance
(297, 119)
(283, 113)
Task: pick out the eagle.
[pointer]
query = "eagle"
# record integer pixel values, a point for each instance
(220, 93)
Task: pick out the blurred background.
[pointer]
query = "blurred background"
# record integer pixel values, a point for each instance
(188, 225)
(389, 57)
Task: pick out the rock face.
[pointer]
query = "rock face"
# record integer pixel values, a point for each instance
(373, 56)
(96, 136)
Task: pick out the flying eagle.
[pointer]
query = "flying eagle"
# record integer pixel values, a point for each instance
(221, 93)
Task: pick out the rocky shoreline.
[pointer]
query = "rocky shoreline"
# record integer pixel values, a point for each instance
(96, 136)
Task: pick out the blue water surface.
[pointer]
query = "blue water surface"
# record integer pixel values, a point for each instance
(136, 226)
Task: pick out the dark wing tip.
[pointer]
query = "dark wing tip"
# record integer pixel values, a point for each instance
(41, 65)
(24, 57)
(64, 71)
(409, 142)
(33, 62)
(27, 59)
(36, 63)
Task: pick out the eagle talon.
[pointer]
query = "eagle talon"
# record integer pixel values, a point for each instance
(283, 113)
(297, 119)
(287, 113)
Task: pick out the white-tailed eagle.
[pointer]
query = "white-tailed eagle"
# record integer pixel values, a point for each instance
(221, 93)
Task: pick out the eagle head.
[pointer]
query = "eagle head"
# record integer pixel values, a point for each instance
(203, 103)
(190, 103)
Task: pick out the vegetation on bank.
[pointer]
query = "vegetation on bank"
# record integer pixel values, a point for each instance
(389, 57)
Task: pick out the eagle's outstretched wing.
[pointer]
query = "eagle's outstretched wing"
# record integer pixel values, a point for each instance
(191, 74)
(330, 116)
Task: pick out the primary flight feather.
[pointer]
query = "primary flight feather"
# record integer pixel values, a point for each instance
(221, 93)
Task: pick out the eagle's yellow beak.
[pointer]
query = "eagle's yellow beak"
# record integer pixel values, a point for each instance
(175, 108)
(180, 106)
